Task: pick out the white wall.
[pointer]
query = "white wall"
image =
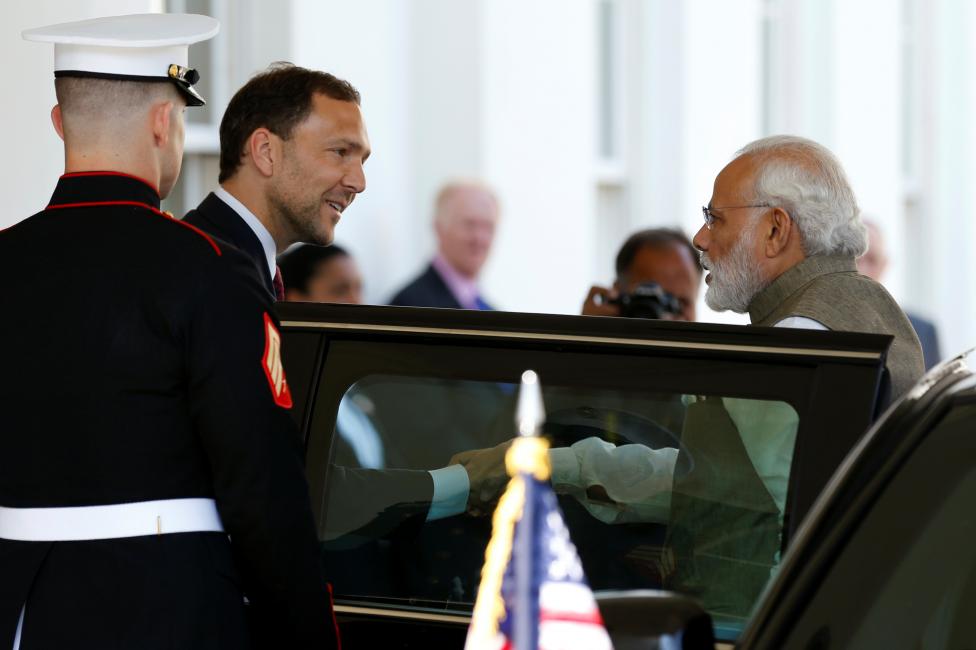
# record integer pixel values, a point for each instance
(722, 103)
(498, 89)
(866, 116)
(445, 100)
(661, 93)
(367, 43)
(34, 155)
(837, 78)
(540, 147)
(943, 276)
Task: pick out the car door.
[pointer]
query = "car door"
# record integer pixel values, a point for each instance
(684, 455)
(887, 559)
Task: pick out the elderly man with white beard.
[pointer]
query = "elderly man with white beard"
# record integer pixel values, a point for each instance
(780, 238)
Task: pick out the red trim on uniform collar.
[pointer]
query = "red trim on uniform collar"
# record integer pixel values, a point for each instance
(122, 174)
(100, 204)
(335, 623)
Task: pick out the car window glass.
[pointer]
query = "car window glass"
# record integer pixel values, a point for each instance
(907, 578)
(659, 489)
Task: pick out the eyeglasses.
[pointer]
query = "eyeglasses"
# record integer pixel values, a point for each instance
(710, 218)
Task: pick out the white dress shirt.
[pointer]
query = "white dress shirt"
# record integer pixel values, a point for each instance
(267, 241)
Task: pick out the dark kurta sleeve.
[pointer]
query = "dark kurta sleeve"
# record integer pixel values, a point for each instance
(238, 403)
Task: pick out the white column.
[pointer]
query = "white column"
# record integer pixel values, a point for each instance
(367, 43)
(659, 119)
(943, 279)
(722, 102)
(799, 62)
(446, 105)
(539, 126)
(866, 113)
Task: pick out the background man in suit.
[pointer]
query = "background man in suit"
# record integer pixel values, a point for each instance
(873, 264)
(465, 218)
(166, 484)
(292, 149)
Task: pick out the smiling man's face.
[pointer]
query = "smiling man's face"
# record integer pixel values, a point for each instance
(321, 171)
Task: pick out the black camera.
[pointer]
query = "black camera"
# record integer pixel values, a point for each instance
(647, 300)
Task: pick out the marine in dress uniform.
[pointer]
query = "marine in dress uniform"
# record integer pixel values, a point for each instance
(150, 473)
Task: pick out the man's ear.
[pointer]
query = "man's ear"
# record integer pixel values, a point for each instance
(263, 147)
(159, 117)
(780, 228)
(56, 120)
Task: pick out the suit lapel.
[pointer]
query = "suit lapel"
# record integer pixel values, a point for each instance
(440, 293)
(218, 218)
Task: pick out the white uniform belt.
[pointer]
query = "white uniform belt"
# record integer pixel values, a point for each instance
(109, 522)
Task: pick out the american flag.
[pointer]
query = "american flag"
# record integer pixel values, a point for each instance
(533, 593)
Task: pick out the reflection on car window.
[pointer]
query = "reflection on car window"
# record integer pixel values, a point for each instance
(677, 491)
(907, 578)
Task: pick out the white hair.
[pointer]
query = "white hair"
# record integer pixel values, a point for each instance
(807, 180)
(458, 186)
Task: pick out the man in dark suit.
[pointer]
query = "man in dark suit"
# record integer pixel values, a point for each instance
(286, 175)
(465, 219)
(928, 336)
(149, 471)
(292, 149)
(873, 264)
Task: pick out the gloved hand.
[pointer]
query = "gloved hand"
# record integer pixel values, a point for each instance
(486, 474)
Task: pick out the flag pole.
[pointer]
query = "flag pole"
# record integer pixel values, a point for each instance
(532, 588)
(529, 418)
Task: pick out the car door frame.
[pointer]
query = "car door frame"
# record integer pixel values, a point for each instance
(844, 371)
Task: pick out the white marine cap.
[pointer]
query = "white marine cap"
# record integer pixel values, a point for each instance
(137, 47)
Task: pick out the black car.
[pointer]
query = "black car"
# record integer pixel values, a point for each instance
(886, 557)
(745, 426)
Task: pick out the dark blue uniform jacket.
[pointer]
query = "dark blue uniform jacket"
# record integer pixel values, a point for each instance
(134, 370)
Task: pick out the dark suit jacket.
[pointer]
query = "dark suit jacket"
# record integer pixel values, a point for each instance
(427, 290)
(375, 501)
(219, 219)
(928, 336)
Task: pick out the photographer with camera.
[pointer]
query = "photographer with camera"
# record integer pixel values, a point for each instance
(658, 276)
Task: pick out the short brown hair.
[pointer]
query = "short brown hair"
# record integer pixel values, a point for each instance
(277, 99)
(90, 105)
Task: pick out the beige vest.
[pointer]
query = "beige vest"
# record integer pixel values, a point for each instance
(831, 291)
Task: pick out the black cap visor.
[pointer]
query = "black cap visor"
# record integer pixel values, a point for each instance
(181, 79)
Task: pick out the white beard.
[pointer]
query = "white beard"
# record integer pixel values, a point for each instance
(735, 280)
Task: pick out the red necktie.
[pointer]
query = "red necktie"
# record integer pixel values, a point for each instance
(279, 285)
